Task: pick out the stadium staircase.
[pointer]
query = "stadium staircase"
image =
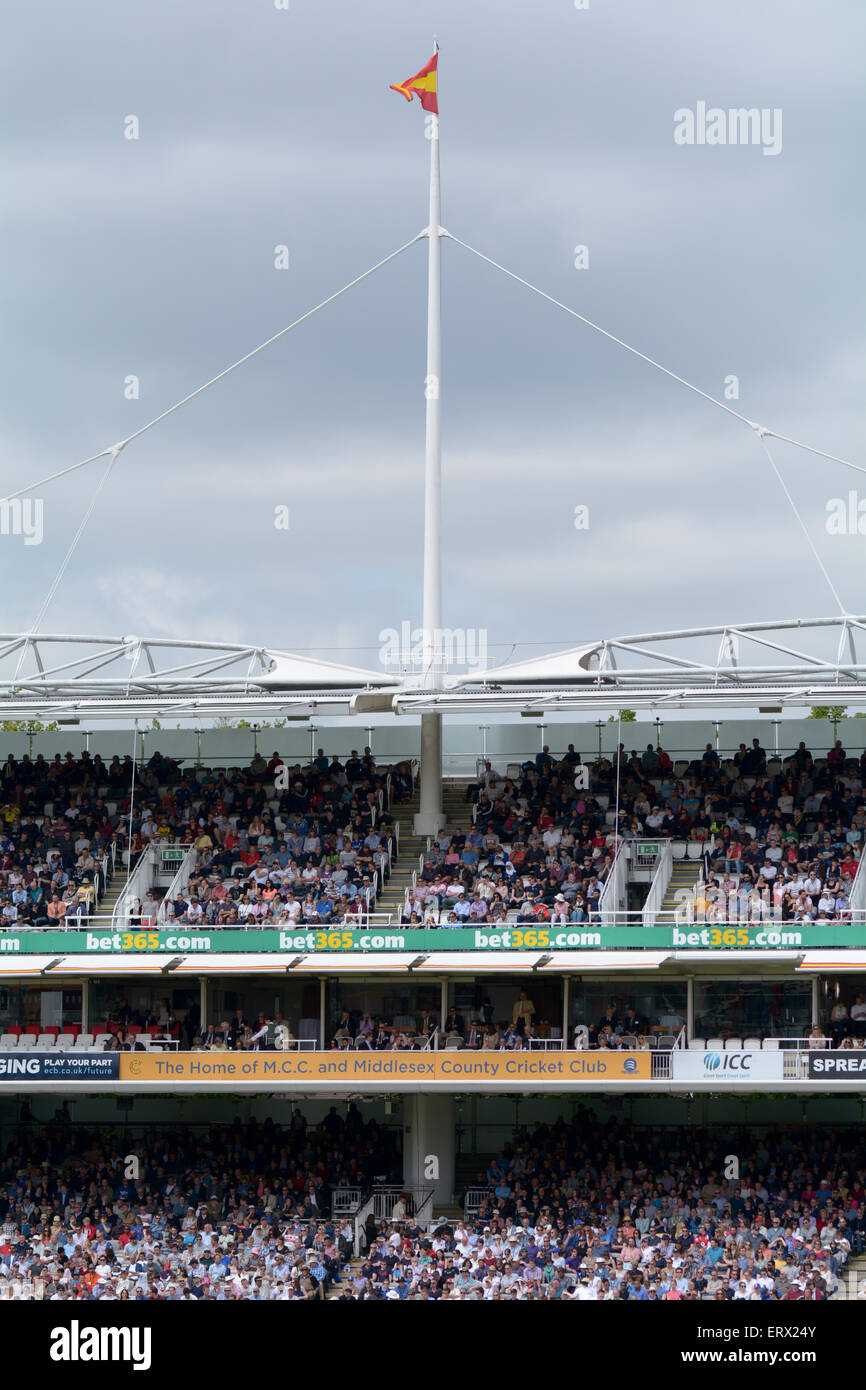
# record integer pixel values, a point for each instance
(457, 812)
(685, 875)
(114, 891)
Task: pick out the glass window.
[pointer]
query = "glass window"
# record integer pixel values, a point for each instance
(48, 1006)
(499, 1001)
(752, 1008)
(659, 1004)
(395, 1002)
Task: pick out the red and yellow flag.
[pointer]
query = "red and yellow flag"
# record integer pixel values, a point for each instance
(422, 85)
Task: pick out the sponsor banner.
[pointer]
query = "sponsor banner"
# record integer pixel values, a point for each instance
(840, 1066)
(65, 1067)
(457, 1068)
(727, 1067)
(190, 939)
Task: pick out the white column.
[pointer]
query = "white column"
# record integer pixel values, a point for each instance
(443, 1010)
(690, 1008)
(430, 818)
(429, 1145)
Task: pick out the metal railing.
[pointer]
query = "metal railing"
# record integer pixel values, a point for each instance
(346, 1201)
(181, 878)
(614, 893)
(660, 881)
(136, 886)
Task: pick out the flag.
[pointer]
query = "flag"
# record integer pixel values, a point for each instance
(422, 85)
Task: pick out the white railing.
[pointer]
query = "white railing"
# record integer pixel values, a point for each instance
(660, 881)
(473, 1200)
(614, 893)
(140, 879)
(345, 1201)
(181, 878)
(857, 899)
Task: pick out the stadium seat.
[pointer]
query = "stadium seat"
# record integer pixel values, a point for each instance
(83, 1040)
(666, 1042)
(678, 849)
(27, 1040)
(8, 1042)
(752, 1044)
(16, 1029)
(66, 1041)
(52, 1028)
(695, 849)
(733, 1044)
(33, 1028)
(770, 1044)
(715, 1044)
(45, 1042)
(697, 1044)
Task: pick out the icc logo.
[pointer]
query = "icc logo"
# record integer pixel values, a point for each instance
(712, 1061)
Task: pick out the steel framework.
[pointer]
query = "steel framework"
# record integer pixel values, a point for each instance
(100, 677)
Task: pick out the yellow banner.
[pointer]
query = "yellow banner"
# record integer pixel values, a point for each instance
(386, 1068)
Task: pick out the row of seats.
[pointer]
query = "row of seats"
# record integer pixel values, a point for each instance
(736, 1044)
(35, 1029)
(65, 1042)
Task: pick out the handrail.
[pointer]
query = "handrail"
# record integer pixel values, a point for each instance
(180, 880)
(613, 894)
(659, 885)
(134, 886)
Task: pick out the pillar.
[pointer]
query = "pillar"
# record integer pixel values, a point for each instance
(690, 1008)
(202, 1002)
(430, 817)
(566, 1004)
(429, 1145)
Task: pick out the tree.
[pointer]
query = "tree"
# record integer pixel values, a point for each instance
(624, 716)
(27, 726)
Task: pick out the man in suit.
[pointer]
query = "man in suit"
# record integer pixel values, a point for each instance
(475, 1035)
(454, 1023)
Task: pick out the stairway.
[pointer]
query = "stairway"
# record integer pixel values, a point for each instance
(850, 1279)
(457, 810)
(685, 875)
(114, 890)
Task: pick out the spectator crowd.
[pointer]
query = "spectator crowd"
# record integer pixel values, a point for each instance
(778, 838)
(575, 1210)
(275, 844)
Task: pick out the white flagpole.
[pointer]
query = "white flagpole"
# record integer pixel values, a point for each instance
(430, 817)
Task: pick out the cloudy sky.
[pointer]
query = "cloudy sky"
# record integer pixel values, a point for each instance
(261, 127)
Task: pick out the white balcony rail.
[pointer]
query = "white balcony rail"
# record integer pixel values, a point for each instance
(181, 879)
(661, 877)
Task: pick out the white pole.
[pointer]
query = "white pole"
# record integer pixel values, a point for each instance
(430, 817)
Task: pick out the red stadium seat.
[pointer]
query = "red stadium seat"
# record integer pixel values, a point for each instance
(52, 1028)
(16, 1029)
(33, 1028)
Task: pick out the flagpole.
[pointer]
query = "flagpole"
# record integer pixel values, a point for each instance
(430, 816)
